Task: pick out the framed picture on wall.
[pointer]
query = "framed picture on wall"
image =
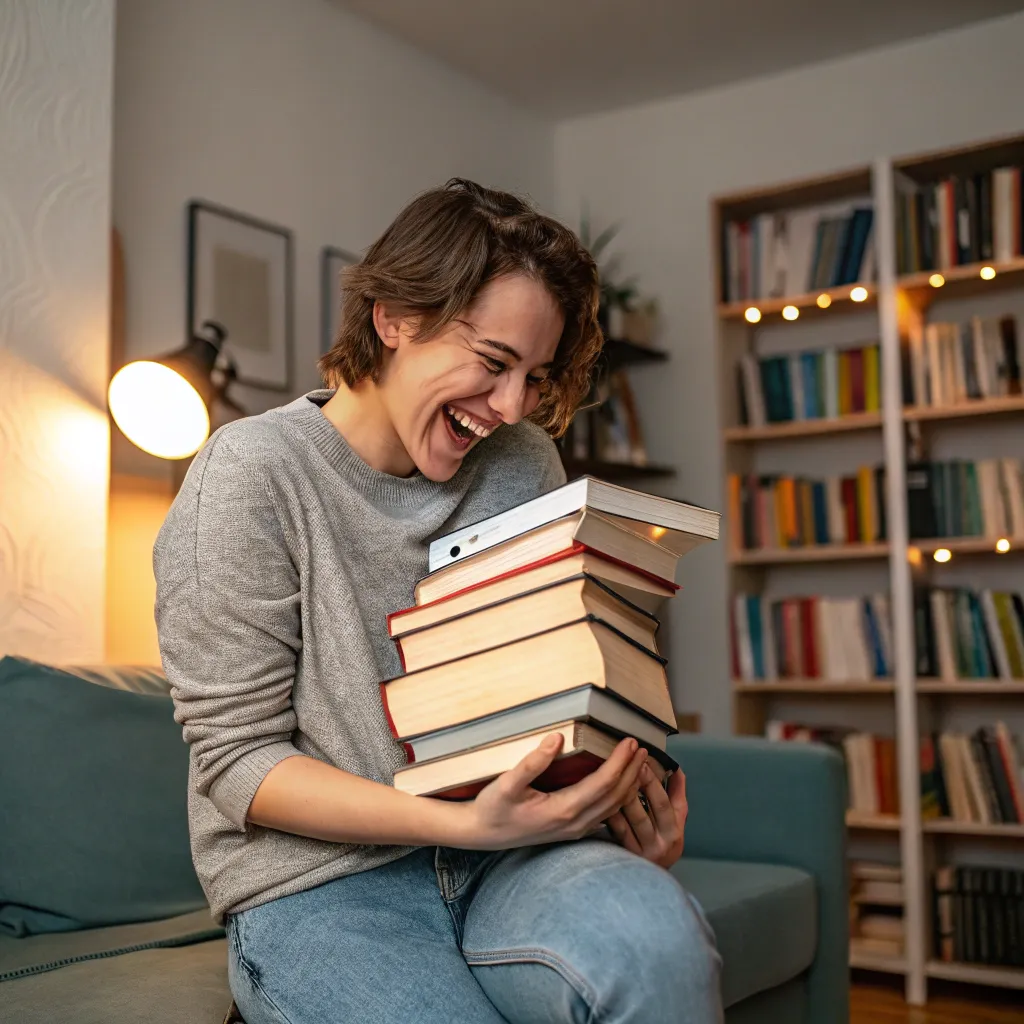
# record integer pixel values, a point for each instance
(332, 262)
(240, 274)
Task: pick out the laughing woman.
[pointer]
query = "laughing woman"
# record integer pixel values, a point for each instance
(469, 333)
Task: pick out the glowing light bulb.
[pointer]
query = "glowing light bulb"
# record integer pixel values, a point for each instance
(914, 556)
(936, 280)
(824, 300)
(1002, 545)
(158, 410)
(859, 294)
(752, 314)
(657, 532)
(987, 273)
(790, 312)
(942, 555)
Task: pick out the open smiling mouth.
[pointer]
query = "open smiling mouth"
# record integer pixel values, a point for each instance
(462, 429)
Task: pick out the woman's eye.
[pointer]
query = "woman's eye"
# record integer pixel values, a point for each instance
(535, 381)
(494, 366)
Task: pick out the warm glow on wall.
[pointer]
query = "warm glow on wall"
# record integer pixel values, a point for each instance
(752, 314)
(790, 312)
(824, 300)
(158, 410)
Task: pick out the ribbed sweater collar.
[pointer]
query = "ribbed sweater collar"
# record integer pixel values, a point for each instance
(306, 414)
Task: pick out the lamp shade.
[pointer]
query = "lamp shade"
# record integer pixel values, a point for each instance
(162, 404)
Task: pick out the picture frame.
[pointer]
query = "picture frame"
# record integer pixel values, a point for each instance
(241, 274)
(332, 262)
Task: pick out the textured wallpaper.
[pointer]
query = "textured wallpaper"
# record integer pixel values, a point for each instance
(56, 88)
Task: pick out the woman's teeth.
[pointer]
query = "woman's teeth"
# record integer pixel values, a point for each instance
(468, 422)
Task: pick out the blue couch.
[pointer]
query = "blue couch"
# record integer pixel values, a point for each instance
(102, 920)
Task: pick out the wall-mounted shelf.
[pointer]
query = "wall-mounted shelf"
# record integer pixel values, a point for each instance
(805, 428)
(612, 470)
(811, 553)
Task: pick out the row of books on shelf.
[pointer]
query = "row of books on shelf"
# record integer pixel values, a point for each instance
(792, 252)
(540, 620)
(946, 364)
(781, 511)
(809, 385)
(609, 430)
(876, 909)
(972, 778)
(871, 772)
(966, 634)
(978, 915)
(839, 639)
(964, 498)
(958, 634)
(966, 218)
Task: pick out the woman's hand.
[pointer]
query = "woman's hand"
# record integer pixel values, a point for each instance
(509, 812)
(654, 833)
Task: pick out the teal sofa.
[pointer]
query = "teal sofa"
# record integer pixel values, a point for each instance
(102, 920)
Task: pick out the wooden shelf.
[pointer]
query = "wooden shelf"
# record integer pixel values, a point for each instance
(611, 470)
(771, 309)
(976, 974)
(974, 687)
(963, 280)
(963, 410)
(811, 553)
(877, 822)
(620, 352)
(806, 428)
(876, 962)
(948, 827)
(876, 687)
(966, 545)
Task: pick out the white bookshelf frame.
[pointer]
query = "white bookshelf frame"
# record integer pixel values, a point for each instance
(750, 700)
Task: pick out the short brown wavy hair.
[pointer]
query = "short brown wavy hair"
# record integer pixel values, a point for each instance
(434, 259)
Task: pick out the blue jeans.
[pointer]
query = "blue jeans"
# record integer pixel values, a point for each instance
(574, 933)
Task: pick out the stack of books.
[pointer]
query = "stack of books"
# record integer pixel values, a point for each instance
(979, 915)
(963, 219)
(972, 778)
(876, 909)
(790, 252)
(535, 621)
(946, 364)
(789, 512)
(810, 385)
(835, 639)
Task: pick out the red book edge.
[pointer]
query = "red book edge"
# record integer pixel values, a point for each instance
(848, 490)
(857, 403)
(807, 635)
(575, 549)
(563, 772)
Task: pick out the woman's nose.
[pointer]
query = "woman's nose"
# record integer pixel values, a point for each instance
(508, 399)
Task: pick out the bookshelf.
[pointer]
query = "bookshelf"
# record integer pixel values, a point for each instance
(889, 433)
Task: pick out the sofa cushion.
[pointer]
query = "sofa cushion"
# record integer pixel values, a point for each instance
(765, 918)
(164, 972)
(93, 828)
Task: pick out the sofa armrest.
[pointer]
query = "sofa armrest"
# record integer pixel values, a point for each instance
(778, 803)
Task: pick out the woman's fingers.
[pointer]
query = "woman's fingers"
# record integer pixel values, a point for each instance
(619, 827)
(596, 789)
(639, 820)
(517, 780)
(663, 812)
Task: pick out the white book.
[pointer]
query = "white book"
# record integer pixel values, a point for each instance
(943, 635)
(982, 360)
(647, 515)
(933, 362)
(752, 393)
(1014, 486)
(953, 776)
(918, 366)
(975, 788)
(803, 226)
(1003, 212)
(744, 649)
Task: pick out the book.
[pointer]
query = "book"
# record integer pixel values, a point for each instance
(674, 524)
(461, 776)
(515, 617)
(559, 659)
(582, 531)
(978, 914)
(583, 704)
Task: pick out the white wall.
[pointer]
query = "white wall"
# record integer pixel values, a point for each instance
(655, 169)
(56, 92)
(296, 112)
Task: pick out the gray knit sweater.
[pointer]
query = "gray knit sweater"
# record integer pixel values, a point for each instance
(276, 568)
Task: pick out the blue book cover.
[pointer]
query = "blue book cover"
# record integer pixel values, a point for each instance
(836, 272)
(808, 367)
(820, 508)
(856, 242)
(874, 638)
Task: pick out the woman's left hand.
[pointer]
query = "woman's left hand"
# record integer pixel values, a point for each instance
(654, 833)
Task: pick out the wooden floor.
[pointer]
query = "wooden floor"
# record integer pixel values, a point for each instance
(884, 1004)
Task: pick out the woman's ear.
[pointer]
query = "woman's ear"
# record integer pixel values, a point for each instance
(387, 324)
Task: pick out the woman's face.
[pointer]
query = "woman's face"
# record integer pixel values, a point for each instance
(447, 394)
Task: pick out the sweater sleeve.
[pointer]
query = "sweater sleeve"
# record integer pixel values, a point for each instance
(228, 619)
